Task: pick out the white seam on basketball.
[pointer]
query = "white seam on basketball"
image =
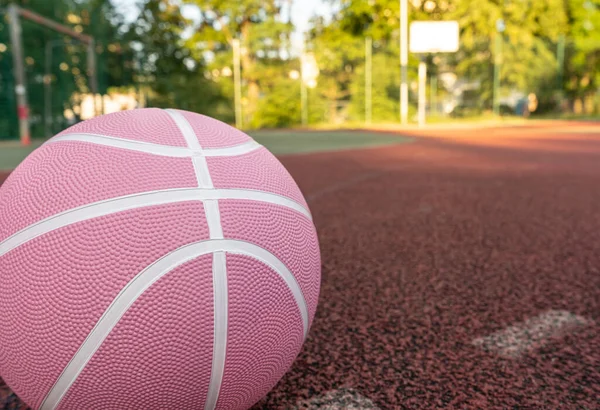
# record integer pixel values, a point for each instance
(220, 290)
(198, 161)
(220, 303)
(241, 149)
(142, 282)
(141, 200)
(155, 149)
(202, 172)
(216, 245)
(213, 218)
(186, 129)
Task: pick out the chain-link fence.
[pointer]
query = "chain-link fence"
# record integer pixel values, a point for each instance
(356, 86)
(459, 85)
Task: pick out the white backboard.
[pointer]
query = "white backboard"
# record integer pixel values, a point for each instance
(310, 69)
(434, 37)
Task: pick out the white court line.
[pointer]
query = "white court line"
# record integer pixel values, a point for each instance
(338, 400)
(521, 338)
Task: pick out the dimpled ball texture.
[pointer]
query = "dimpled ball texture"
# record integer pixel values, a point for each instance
(153, 259)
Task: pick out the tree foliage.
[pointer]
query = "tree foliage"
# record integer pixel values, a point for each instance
(528, 63)
(583, 32)
(178, 53)
(168, 72)
(262, 31)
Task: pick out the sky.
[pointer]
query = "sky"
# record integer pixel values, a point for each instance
(302, 11)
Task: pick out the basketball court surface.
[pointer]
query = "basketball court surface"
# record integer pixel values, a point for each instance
(461, 269)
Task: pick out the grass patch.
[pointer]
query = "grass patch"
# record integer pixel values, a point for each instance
(12, 153)
(294, 141)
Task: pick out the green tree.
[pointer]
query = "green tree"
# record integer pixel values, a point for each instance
(102, 20)
(340, 49)
(338, 53)
(582, 78)
(385, 91)
(264, 36)
(168, 72)
(280, 106)
(529, 42)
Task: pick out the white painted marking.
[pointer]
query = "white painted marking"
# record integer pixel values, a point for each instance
(338, 400)
(156, 149)
(213, 218)
(518, 339)
(220, 292)
(186, 129)
(141, 200)
(142, 282)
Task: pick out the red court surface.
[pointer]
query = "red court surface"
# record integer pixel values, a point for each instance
(459, 271)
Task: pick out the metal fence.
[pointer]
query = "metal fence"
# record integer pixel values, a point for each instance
(58, 79)
(364, 86)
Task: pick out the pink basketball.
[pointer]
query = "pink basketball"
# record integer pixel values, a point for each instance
(153, 259)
